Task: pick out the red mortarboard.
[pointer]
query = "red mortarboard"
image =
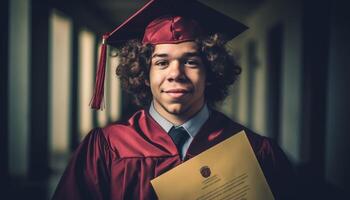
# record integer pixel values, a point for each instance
(165, 21)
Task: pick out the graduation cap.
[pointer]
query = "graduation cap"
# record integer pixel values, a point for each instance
(165, 22)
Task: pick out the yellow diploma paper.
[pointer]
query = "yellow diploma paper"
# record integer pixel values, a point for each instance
(227, 171)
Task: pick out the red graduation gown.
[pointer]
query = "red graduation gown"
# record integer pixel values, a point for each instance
(118, 162)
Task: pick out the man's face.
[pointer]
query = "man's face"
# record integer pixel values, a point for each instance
(177, 80)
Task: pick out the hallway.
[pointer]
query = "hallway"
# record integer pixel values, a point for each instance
(293, 87)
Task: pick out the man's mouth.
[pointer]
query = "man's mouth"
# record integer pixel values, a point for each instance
(177, 93)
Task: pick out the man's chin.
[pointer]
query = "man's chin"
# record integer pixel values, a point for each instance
(175, 109)
(178, 108)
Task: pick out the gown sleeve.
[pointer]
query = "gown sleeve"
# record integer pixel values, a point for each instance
(278, 170)
(87, 174)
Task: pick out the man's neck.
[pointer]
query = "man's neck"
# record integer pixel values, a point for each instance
(177, 118)
(192, 125)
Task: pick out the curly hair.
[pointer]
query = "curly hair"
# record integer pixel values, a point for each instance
(221, 69)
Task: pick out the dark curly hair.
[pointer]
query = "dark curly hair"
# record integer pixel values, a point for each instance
(221, 69)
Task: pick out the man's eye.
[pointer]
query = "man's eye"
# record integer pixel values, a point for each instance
(192, 63)
(161, 63)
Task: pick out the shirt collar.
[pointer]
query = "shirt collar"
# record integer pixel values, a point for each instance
(192, 126)
(165, 124)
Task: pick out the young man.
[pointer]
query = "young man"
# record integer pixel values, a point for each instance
(177, 73)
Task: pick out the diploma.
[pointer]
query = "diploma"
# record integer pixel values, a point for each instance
(227, 171)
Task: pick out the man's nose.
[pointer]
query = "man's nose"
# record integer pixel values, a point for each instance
(176, 72)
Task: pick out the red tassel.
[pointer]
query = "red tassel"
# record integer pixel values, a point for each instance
(97, 98)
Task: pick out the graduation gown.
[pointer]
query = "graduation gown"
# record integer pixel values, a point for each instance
(118, 161)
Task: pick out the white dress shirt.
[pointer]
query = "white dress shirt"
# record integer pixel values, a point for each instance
(192, 126)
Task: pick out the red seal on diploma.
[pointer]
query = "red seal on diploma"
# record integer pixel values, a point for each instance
(205, 171)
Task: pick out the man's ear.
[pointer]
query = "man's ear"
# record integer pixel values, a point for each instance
(147, 83)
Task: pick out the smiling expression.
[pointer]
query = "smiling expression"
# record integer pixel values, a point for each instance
(177, 80)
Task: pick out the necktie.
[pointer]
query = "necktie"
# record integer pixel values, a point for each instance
(179, 136)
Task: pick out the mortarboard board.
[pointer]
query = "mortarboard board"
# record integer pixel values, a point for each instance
(165, 21)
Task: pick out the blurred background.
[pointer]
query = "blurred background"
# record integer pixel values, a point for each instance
(293, 87)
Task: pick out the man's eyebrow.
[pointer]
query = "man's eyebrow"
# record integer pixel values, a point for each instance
(191, 54)
(188, 54)
(162, 55)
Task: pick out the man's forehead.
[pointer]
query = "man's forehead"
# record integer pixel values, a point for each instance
(175, 49)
